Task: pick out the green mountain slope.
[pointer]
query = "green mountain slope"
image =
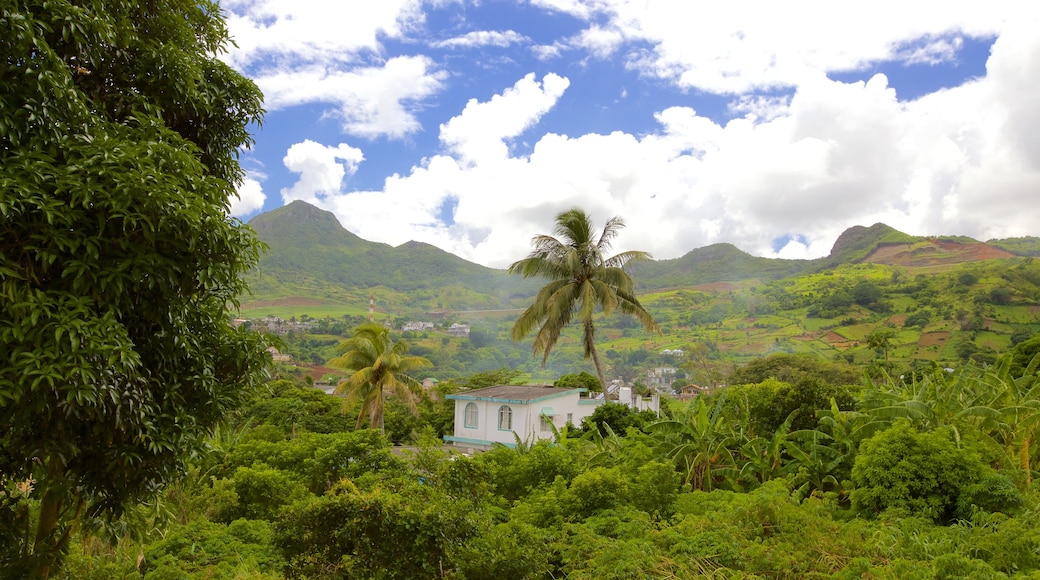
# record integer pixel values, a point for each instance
(310, 255)
(312, 260)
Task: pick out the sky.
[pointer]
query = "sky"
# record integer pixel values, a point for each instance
(773, 126)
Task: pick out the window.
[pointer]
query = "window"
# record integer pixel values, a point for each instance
(570, 418)
(472, 415)
(505, 418)
(546, 421)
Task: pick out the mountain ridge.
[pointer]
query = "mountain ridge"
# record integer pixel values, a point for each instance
(308, 249)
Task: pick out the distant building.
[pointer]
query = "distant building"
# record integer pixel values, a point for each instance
(661, 378)
(417, 326)
(673, 352)
(278, 356)
(460, 330)
(617, 391)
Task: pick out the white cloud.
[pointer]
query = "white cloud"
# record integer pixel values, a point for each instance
(322, 169)
(479, 38)
(250, 197)
(270, 32)
(372, 101)
(733, 48)
(308, 51)
(478, 133)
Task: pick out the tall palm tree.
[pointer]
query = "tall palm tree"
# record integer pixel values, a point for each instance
(379, 364)
(582, 281)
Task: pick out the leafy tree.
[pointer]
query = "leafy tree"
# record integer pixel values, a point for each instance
(866, 293)
(619, 417)
(922, 473)
(792, 368)
(119, 136)
(582, 380)
(378, 364)
(582, 279)
(880, 339)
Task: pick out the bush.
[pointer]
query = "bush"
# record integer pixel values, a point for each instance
(924, 474)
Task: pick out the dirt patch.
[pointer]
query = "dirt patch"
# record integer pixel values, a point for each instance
(837, 341)
(937, 338)
(934, 253)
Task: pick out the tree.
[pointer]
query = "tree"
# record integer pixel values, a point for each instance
(582, 280)
(119, 136)
(881, 340)
(582, 380)
(378, 364)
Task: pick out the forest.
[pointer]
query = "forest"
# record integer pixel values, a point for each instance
(801, 468)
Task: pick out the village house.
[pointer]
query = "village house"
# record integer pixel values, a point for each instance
(417, 326)
(504, 413)
(661, 378)
(460, 330)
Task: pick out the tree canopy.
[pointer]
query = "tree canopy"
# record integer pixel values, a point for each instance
(119, 136)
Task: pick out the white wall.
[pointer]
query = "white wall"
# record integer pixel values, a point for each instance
(526, 418)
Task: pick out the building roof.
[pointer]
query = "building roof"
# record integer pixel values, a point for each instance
(513, 393)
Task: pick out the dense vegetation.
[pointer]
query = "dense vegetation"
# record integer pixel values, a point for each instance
(119, 136)
(928, 476)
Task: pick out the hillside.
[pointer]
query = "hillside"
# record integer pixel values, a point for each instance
(311, 257)
(941, 299)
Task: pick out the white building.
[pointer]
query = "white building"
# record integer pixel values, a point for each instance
(502, 413)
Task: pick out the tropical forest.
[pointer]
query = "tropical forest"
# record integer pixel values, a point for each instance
(185, 396)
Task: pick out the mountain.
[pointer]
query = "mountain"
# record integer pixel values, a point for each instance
(309, 251)
(310, 255)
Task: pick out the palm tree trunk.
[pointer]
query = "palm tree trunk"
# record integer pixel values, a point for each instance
(379, 413)
(591, 343)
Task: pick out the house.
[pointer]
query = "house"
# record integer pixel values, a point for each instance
(460, 330)
(661, 378)
(503, 413)
(617, 391)
(277, 356)
(417, 326)
(690, 392)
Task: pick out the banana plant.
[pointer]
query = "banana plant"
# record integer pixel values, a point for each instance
(700, 442)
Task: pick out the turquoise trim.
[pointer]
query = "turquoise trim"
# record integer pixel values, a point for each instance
(589, 402)
(455, 439)
(464, 397)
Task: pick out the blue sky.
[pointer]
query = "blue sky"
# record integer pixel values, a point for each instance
(772, 126)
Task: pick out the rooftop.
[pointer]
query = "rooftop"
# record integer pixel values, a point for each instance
(519, 393)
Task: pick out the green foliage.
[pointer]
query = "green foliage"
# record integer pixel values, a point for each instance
(922, 474)
(378, 364)
(582, 281)
(202, 549)
(409, 532)
(260, 492)
(321, 460)
(619, 417)
(119, 135)
(771, 402)
(582, 380)
(792, 368)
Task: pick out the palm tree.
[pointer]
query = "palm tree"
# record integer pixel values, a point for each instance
(582, 280)
(378, 365)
